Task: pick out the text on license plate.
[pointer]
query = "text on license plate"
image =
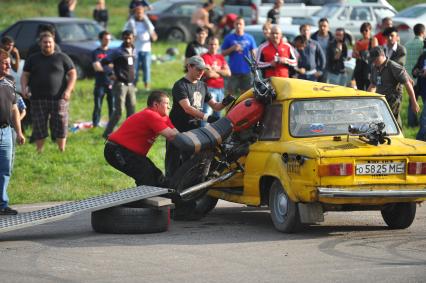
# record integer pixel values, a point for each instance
(380, 168)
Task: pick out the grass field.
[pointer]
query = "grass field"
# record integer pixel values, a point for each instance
(81, 171)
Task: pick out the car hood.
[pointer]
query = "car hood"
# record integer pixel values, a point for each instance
(326, 147)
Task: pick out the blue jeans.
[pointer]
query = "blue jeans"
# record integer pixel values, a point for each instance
(6, 147)
(217, 94)
(99, 93)
(144, 61)
(411, 116)
(337, 79)
(421, 134)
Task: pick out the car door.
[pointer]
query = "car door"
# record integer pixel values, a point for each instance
(179, 17)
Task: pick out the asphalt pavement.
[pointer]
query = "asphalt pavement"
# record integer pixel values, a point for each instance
(232, 244)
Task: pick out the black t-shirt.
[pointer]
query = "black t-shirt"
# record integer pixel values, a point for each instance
(48, 75)
(274, 15)
(195, 48)
(63, 9)
(7, 99)
(196, 93)
(102, 78)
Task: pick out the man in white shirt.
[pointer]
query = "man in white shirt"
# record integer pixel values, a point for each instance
(144, 33)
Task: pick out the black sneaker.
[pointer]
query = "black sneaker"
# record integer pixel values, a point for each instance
(8, 211)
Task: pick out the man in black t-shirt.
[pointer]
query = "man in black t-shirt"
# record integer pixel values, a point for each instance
(9, 115)
(51, 77)
(274, 14)
(199, 45)
(189, 95)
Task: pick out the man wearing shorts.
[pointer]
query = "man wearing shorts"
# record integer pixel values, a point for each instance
(51, 77)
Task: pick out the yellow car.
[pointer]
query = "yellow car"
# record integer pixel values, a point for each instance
(322, 148)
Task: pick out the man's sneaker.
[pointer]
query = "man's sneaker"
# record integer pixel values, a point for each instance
(8, 211)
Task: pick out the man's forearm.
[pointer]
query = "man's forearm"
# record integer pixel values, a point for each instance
(72, 78)
(16, 120)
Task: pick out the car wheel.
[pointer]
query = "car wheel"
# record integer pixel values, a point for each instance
(176, 35)
(81, 73)
(284, 212)
(192, 172)
(399, 215)
(130, 220)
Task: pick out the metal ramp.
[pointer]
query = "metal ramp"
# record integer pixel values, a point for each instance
(62, 211)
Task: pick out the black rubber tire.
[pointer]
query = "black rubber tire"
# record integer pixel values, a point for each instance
(81, 73)
(399, 215)
(176, 35)
(130, 220)
(284, 212)
(192, 172)
(193, 210)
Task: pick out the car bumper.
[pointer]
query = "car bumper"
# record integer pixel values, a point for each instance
(343, 193)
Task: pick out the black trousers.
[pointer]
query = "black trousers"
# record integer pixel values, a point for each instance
(139, 167)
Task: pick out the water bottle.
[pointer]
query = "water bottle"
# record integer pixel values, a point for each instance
(276, 58)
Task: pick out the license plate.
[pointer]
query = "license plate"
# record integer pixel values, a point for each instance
(380, 168)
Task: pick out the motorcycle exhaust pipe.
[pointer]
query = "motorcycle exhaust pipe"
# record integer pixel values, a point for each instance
(207, 184)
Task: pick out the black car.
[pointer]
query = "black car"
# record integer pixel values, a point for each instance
(172, 19)
(76, 37)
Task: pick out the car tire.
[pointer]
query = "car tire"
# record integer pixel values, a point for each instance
(399, 215)
(130, 220)
(176, 35)
(81, 73)
(192, 172)
(284, 212)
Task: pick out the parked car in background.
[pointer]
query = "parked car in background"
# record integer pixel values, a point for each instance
(350, 16)
(405, 21)
(76, 37)
(172, 19)
(255, 11)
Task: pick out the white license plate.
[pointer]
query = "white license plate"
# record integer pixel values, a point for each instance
(380, 168)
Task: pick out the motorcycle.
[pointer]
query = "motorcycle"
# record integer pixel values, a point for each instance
(217, 149)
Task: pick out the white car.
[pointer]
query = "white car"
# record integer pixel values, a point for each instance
(405, 21)
(350, 16)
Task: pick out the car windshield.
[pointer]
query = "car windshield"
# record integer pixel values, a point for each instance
(160, 6)
(326, 11)
(412, 12)
(78, 31)
(322, 117)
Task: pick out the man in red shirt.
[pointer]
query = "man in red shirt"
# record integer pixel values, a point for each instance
(381, 38)
(217, 70)
(276, 56)
(127, 147)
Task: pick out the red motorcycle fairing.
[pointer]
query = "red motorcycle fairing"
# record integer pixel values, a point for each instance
(245, 114)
